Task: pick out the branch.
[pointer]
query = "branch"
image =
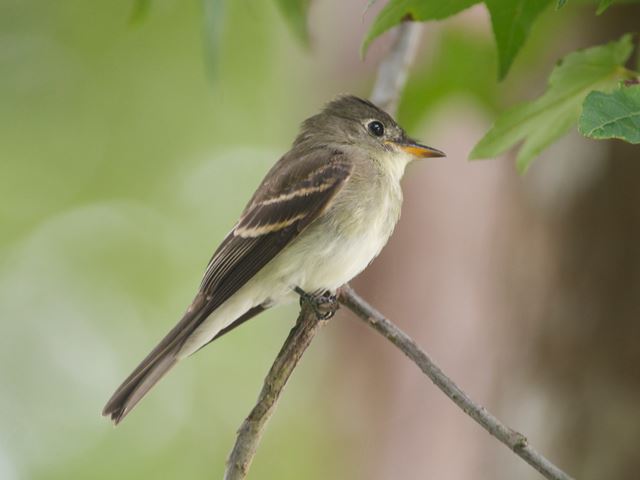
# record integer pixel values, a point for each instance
(251, 429)
(394, 68)
(512, 439)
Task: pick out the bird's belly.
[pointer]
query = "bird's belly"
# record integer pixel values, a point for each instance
(339, 261)
(325, 256)
(318, 260)
(329, 253)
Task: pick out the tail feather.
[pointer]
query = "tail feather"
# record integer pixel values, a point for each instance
(162, 358)
(131, 392)
(155, 365)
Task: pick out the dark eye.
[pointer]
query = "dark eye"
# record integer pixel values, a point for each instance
(376, 128)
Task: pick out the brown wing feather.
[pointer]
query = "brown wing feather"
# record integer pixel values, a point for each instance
(277, 213)
(274, 217)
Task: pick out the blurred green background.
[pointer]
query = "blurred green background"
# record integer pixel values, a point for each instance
(128, 149)
(125, 160)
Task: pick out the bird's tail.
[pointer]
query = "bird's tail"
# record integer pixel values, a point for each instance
(138, 385)
(156, 364)
(163, 357)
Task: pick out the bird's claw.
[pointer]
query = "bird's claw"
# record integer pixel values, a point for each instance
(324, 305)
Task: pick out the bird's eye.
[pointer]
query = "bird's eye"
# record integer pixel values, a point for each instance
(376, 128)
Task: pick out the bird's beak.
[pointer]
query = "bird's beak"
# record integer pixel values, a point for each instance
(415, 149)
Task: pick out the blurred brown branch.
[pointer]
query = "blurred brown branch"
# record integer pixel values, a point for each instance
(250, 431)
(512, 439)
(394, 67)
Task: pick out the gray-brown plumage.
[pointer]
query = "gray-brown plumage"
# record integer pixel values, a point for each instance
(320, 215)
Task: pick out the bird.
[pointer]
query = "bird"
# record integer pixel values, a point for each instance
(321, 214)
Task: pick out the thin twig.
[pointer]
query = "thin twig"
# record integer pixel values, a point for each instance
(394, 67)
(251, 429)
(512, 439)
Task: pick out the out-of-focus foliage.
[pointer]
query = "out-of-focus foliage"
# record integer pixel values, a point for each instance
(603, 5)
(140, 10)
(397, 10)
(122, 167)
(612, 115)
(511, 21)
(539, 123)
(213, 16)
(295, 12)
(447, 76)
(544, 120)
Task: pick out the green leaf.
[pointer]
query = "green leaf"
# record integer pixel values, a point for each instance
(213, 22)
(614, 115)
(447, 74)
(603, 5)
(542, 121)
(511, 21)
(295, 13)
(140, 10)
(420, 10)
(560, 4)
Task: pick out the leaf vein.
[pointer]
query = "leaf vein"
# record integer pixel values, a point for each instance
(614, 120)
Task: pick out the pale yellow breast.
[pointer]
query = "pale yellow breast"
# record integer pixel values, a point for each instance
(341, 243)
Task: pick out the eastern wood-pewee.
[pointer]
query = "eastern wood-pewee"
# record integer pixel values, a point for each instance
(319, 217)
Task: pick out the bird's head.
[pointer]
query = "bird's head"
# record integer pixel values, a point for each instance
(349, 120)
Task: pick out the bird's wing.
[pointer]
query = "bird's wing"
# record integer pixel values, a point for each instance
(278, 212)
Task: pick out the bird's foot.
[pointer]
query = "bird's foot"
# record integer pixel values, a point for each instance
(324, 304)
